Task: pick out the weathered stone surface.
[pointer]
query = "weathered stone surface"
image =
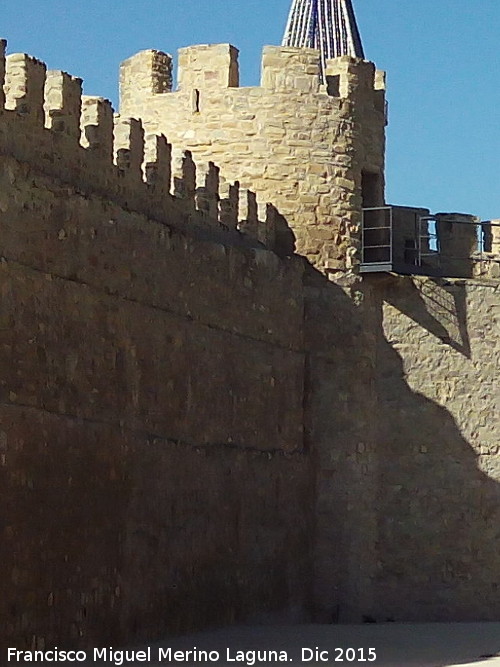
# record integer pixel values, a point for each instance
(403, 412)
(438, 504)
(110, 534)
(131, 323)
(132, 444)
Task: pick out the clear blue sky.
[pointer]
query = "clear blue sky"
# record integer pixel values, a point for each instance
(442, 59)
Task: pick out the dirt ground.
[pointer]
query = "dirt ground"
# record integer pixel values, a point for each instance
(393, 645)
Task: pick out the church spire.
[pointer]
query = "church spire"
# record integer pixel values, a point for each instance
(327, 25)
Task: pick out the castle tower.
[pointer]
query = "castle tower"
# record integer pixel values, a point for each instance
(314, 151)
(327, 25)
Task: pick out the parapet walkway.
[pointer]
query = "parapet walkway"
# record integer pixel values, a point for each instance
(395, 645)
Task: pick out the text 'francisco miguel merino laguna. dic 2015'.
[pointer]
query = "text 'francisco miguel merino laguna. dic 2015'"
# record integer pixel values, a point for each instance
(168, 655)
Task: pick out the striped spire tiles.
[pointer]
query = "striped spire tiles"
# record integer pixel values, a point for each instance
(327, 25)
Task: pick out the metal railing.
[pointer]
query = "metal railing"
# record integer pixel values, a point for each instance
(410, 241)
(427, 238)
(377, 238)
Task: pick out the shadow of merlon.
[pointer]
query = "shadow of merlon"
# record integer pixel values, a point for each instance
(436, 305)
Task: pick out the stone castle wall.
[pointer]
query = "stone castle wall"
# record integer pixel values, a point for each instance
(144, 345)
(198, 426)
(438, 500)
(403, 417)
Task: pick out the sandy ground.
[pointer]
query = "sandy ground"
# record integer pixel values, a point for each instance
(395, 645)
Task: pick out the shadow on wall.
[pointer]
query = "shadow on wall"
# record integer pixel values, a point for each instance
(408, 526)
(438, 545)
(114, 531)
(442, 312)
(114, 527)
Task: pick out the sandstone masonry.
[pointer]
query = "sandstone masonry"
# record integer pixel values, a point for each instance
(302, 146)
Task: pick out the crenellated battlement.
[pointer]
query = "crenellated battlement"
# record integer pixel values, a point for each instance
(216, 66)
(291, 141)
(45, 121)
(303, 145)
